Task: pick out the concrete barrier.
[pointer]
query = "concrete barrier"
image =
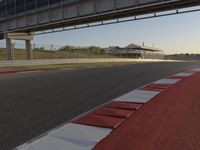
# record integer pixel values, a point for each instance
(73, 61)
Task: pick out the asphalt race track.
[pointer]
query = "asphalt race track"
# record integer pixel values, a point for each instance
(33, 103)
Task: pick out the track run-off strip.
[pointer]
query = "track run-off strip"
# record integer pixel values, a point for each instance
(22, 71)
(155, 116)
(27, 71)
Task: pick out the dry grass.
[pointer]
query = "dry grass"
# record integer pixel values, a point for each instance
(2, 54)
(20, 54)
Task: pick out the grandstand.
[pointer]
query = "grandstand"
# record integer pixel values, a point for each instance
(137, 51)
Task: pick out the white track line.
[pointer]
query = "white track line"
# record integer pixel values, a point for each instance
(167, 81)
(183, 74)
(137, 96)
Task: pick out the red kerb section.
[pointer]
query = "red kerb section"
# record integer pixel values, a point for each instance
(170, 121)
(156, 87)
(100, 121)
(113, 112)
(124, 105)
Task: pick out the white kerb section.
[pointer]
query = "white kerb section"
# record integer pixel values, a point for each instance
(52, 143)
(137, 96)
(69, 137)
(196, 70)
(183, 74)
(167, 81)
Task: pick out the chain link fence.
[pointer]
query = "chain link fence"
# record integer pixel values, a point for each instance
(52, 51)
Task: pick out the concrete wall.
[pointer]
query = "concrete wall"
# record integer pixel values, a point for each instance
(73, 61)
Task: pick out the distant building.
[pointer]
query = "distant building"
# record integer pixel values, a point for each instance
(136, 51)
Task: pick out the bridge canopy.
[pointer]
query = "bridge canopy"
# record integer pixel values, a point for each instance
(12, 7)
(39, 15)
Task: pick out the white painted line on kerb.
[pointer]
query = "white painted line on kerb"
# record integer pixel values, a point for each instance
(137, 96)
(167, 81)
(70, 136)
(183, 74)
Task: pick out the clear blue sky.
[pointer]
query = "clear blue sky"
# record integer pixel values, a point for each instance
(174, 34)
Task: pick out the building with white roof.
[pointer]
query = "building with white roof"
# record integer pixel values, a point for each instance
(136, 51)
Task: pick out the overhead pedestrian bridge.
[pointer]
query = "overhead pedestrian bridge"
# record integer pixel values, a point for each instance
(21, 19)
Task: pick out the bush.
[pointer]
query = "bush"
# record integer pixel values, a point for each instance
(67, 48)
(95, 50)
(39, 49)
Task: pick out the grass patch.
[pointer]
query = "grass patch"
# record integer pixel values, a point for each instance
(20, 54)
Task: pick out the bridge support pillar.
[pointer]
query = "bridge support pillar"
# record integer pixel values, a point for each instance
(27, 37)
(29, 50)
(10, 49)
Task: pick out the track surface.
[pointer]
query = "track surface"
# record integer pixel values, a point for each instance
(31, 104)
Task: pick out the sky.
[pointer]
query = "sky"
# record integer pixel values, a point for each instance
(173, 34)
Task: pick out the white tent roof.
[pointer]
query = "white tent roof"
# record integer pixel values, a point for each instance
(135, 46)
